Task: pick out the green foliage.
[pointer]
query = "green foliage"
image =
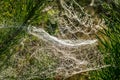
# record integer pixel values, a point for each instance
(15, 16)
(110, 43)
(52, 27)
(19, 14)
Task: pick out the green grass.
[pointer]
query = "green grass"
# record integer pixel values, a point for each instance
(110, 44)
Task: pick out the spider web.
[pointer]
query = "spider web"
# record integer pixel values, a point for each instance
(75, 47)
(73, 50)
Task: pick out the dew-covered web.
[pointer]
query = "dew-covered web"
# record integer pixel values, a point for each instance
(75, 47)
(73, 50)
